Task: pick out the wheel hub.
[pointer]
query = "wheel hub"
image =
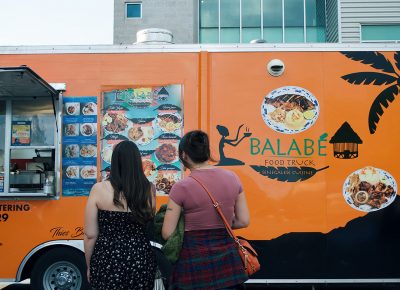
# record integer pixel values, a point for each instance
(62, 276)
(63, 279)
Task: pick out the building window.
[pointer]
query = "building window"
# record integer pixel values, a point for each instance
(275, 21)
(133, 10)
(380, 32)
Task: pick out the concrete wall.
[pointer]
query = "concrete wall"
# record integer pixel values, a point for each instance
(356, 12)
(178, 16)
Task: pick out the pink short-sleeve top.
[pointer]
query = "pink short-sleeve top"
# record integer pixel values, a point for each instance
(199, 211)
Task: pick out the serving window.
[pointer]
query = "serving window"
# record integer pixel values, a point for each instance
(28, 151)
(28, 135)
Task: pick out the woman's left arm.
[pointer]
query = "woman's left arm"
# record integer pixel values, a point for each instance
(171, 219)
(91, 226)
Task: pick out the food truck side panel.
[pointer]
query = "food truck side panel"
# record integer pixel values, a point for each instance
(40, 221)
(301, 179)
(304, 223)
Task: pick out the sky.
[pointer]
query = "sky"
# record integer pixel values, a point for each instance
(56, 22)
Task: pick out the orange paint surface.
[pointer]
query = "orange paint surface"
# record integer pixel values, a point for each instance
(225, 89)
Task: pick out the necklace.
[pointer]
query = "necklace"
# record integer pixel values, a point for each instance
(202, 166)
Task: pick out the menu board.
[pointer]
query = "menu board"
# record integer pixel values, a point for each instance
(152, 117)
(21, 133)
(79, 145)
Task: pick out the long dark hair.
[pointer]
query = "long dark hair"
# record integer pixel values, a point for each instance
(129, 182)
(196, 145)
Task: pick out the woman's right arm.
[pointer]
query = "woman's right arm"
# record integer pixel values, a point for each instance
(91, 226)
(242, 216)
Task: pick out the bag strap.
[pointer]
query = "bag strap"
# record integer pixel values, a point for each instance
(218, 209)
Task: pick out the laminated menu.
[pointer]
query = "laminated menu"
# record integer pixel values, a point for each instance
(152, 118)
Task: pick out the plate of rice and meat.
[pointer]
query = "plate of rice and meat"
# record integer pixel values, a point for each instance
(369, 189)
(290, 110)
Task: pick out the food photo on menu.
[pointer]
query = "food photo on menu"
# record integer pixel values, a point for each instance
(71, 130)
(167, 176)
(88, 150)
(72, 108)
(167, 153)
(89, 108)
(72, 172)
(169, 122)
(71, 151)
(114, 122)
(88, 172)
(88, 129)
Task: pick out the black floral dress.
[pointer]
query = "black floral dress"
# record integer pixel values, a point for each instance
(122, 257)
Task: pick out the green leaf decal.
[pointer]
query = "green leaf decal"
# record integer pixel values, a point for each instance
(373, 58)
(287, 174)
(383, 99)
(367, 78)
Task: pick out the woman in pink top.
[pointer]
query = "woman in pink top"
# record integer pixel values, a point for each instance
(209, 258)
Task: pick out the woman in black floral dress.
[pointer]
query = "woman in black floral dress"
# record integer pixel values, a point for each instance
(117, 249)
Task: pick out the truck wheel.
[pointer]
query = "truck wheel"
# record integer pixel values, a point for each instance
(60, 269)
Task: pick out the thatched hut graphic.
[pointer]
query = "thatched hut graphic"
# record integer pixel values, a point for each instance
(162, 94)
(345, 142)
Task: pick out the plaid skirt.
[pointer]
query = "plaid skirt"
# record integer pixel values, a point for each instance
(208, 260)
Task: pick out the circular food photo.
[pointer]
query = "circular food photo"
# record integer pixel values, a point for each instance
(164, 182)
(72, 108)
(141, 135)
(106, 154)
(71, 151)
(167, 153)
(114, 122)
(88, 150)
(149, 167)
(72, 172)
(89, 109)
(88, 129)
(290, 110)
(71, 129)
(89, 172)
(369, 189)
(169, 122)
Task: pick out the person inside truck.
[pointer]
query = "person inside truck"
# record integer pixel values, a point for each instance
(209, 258)
(117, 249)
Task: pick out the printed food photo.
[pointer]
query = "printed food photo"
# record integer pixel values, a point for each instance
(89, 109)
(141, 135)
(290, 110)
(369, 189)
(114, 122)
(167, 153)
(169, 122)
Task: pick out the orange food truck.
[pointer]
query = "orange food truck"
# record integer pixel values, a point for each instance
(311, 130)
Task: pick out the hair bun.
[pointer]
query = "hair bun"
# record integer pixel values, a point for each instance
(198, 137)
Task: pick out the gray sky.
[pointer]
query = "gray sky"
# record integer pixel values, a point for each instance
(56, 22)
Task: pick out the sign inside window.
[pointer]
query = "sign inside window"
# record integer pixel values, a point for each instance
(21, 133)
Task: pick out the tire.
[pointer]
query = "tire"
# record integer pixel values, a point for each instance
(60, 269)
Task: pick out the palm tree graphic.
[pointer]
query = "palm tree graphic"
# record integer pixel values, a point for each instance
(389, 77)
